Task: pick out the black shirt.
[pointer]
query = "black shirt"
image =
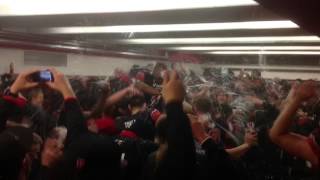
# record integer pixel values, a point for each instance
(141, 124)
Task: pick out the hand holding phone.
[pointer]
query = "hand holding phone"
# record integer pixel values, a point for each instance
(42, 76)
(23, 81)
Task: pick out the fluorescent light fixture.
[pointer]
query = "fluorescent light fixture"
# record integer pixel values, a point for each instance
(287, 67)
(173, 27)
(46, 7)
(267, 52)
(230, 48)
(224, 40)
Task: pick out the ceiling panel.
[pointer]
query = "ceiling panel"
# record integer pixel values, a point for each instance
(205, 15)
(33, 29)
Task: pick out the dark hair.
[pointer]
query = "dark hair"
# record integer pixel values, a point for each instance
(34, 92)
(137, 101)
(203, 105)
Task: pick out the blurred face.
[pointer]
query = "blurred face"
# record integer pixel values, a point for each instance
(92, 126)
(222, 98)
(53, 147)
(215, 134)
(36, 146)
(37, 100)
(52, 152)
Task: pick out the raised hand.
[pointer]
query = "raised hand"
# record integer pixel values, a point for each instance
(61, 84)
(173, 89)
(304, 91)
(133, 91)
(24, 82)
(250, 138)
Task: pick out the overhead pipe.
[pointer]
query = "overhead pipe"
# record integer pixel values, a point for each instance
(41, 43)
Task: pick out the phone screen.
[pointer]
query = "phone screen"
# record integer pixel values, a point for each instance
(45, 76)
(42, 76)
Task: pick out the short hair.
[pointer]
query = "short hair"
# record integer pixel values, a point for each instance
(137, 101)
(34, 92)
(202, 105)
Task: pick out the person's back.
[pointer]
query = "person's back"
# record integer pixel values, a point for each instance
(139, 122)
(175, 157)
(85, 155)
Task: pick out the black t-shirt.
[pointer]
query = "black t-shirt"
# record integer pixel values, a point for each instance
(141, 124)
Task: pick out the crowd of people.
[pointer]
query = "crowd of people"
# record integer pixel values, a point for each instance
(158, 122)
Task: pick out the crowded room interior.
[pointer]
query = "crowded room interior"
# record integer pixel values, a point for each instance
(159, 90)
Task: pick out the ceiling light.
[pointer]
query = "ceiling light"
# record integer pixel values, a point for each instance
(267, 52)
(173, 27)
(224, 40)
(227, 48)
(46, 7)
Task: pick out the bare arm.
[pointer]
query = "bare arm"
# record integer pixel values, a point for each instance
(238, 151)
(146, 88)
(187, 108)
(133, 89)
(293, 143)
(250, 139)
(117, 97)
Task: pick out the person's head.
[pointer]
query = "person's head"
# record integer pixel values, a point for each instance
(53, 147)
(136, 104)
(92, 126)
(222, 97)
(215, 134)
(256, 74)
(122, 107)
(241, 87)
(202, 105)
(36, 145)
(36, 97)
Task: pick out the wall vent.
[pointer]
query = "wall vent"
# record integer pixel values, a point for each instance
(43, 58)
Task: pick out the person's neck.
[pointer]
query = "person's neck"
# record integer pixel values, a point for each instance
(35, 104)
(135, 111)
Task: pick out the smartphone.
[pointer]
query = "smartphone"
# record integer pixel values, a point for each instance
(42, 76)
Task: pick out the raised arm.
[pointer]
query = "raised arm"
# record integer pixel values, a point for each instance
(120, 95)
(293, 143)
(180, 156)
(249, 140)
(75, 122)
(11, 103)
(146, 88)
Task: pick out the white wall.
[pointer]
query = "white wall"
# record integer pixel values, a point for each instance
(10, 55)
(91, 65)
(76, 64)
(101, 66)
(277, 73)
(291, 75)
